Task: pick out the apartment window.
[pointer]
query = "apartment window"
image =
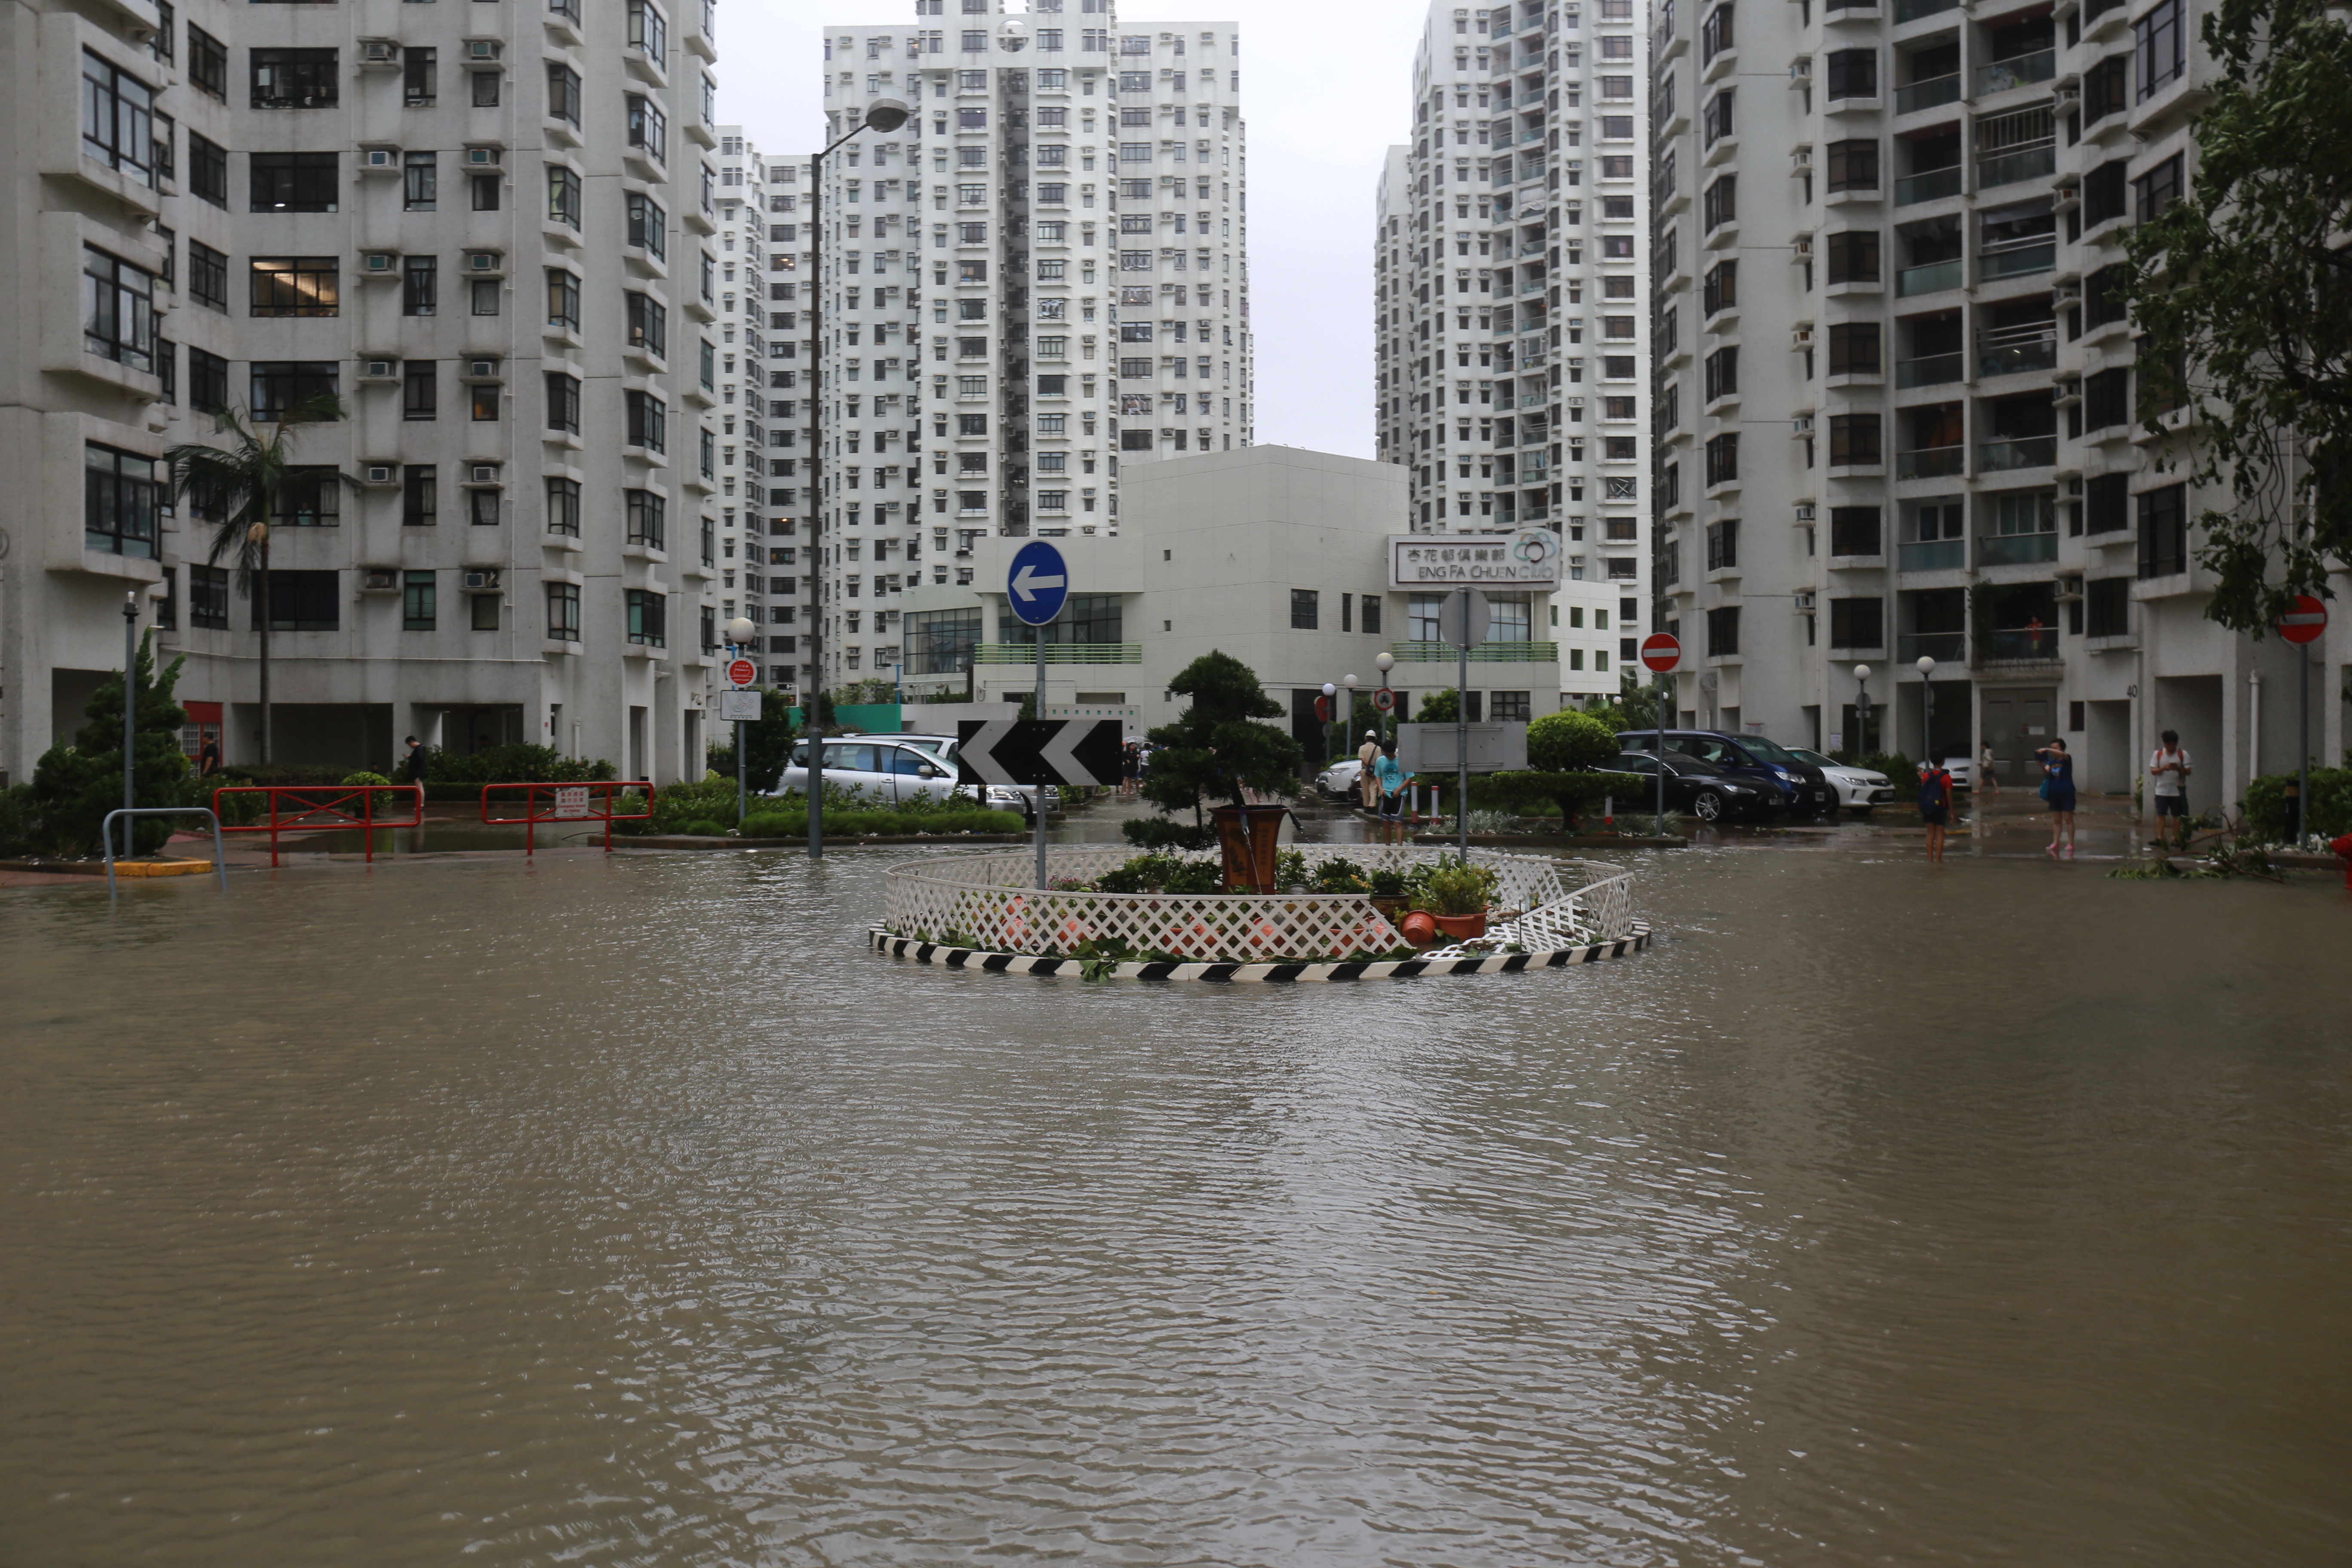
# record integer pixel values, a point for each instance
(419, 285)
(416, 73)
(293, 78)
(648, 422)
(1722, 459)
(563, 612)
(1851, 73)
(563, 93)
(208, 598)
(1723, 545)
(1857, 622)
(647, 226)
(484, 400)
(1854, 531)
(421, 181)
(2106, 89)
(2106, 399)
(649, 325)
(484, 608)
(486, 293)
(417, 605)
(649, 617)
(290, 182)
(1720, 290)
(1854, 165)
(208, 382)
(119, 498)
(301, 602)
(2164, 531)
(2106, 503)
(1723, 632)
(487, 191)
(563, 403)
(563, 508)
(648, 127)
(2106, 604)
(207, 64)
(1720, 203)
(564, 196)
(649, 31)
(1722, 373)
(2162, 48)
(313, 498)
(647, 514)
(486, 90)
(1853, 256)
(1853, 348)
(1715, 34)
(281, 386)
(117, 119)
(208, 170)
(118, 310)
(420, 390)
(1855, 440)
(562, 299)
(420, 496)
(2159, 189)
(1716, 125)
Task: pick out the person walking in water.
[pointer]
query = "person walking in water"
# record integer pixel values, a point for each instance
(2058, 789)
(1390, 780)
(1985, 779)
(1368, 757)
(1934, 804)
(2168, 773)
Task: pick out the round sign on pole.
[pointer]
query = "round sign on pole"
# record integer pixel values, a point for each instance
(743, 672)
(1323, 710)
(1385, 699)
(2304, 620)
(1036, 583)
(1660, 652)
(1450, 629)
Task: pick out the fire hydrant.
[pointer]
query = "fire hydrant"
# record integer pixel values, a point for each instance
(2342, 848)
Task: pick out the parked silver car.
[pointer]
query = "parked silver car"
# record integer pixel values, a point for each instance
(942, 749)
(886, 770)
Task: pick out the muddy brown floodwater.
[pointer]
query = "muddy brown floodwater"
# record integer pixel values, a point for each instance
(630, 1212)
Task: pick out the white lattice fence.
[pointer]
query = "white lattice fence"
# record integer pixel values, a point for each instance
(985, 902)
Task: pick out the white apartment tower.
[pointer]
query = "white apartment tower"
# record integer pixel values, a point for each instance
(1043, 274)
(487, 230)
(1510, 276)
(1900, 408)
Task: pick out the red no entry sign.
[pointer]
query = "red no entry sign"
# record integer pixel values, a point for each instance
(743, 672)
(1660, 652)
(2303, 621)
(1385, 699)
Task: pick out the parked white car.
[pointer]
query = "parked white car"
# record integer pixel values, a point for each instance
(1859, 789)
(942, 749)
(887, 771)
(1338, 781)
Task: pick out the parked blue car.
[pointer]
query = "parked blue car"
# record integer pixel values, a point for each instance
(1809, 791)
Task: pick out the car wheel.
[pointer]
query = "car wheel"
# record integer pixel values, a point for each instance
(1708, 806)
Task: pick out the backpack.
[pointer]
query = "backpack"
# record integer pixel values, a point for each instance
(1935, 790)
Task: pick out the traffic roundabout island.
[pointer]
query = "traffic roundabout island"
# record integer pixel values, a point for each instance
(983, 911)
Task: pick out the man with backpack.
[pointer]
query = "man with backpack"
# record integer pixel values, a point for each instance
(2167, 774)
(1934, 804)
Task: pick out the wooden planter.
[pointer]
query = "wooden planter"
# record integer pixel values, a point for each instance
(1250, 835)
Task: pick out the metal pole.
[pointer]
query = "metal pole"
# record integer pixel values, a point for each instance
(1666, 684)
(129, 713)
(815, 509)
(1462, 734)
(1037, 818)
(742, 784)
(2303, 748)
(1926, 715)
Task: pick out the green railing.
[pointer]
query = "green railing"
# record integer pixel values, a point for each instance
(1933, 185)
(1930, 463)
(1919, 95)
(1932, 554)
(2021, 71)
(1912, 10)
(1932, 278)
(1059, 653)
(2022, 452)
(2015, 549)
(1485, 653)
(1935, 370)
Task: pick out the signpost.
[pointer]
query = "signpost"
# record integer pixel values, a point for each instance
(743, 672)
(2303, 621)
(1660, 654)
(1037, 751)
(1037, 586)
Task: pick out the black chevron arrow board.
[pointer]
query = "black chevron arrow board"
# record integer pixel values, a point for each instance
(1038, 750)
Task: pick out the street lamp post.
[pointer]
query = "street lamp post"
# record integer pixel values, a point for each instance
(1347, 728)
(1330, 711)
(1384, 663)
(738, 633)
(1861, 709)
(1926, 706)
(129, 714)
(883, 114)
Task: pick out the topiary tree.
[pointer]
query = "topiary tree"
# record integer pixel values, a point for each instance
(75, 786)
(1570, 741)
(1564, 749)
(1215, 748)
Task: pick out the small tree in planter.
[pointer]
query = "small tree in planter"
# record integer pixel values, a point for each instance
(1564, 749)
(1217, 748)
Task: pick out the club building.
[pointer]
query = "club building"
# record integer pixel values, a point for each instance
(1273, 554)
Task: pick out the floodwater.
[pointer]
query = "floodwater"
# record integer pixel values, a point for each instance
(629, 1212)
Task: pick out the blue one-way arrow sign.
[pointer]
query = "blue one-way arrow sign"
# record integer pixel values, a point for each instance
(1037, 583)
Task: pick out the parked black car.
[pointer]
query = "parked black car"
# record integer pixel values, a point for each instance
(1807, 791)
(1700, 788)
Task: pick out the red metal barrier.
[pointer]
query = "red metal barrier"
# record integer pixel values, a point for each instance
(322, 808)
(2342, 848)
(569, 803)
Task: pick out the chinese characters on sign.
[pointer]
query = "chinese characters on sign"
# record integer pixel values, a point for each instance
(1529, 557)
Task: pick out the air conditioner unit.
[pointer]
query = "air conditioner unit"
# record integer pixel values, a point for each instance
(482, 261)
(1801, 248)
(379, 158)
(1805, 511)
(1802, 423)
(485, 473)
(381, 580)
(1800, 72)
(481, 577)
(380, 262)
(481, 48)
(1802, 602)
(379, 369)
(482, 369)
(383, 474)
(2066, 394)
(379, 52)
(483, 157)
(1802, 157)
(1803, 337)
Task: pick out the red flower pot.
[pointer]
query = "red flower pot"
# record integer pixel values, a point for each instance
(1462, 928)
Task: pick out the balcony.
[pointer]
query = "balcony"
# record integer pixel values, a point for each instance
(1059, 653)
(1932, 555)
(1485, 653)
(2017, 260)
(1927, 94)
(1913, 10)
(1933, 184)
(1933, 369)
(1932, 278)
(2015, 549)
(2026, 163)
(2026, 644)
(1944, 647)
(2024, 452)
(2011, 351)
(1931, 463)
(2022, 70)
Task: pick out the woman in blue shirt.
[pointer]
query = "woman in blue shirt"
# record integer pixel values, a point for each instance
(2058, 789)
(1390, 780)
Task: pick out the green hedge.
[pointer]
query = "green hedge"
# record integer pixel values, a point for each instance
(2270, 811)
(793, 824)
(512, 764)
(1566, 792)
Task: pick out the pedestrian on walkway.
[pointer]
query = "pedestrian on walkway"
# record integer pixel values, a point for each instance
(1367, 756)
(1130, 768)
(2167, 773)
(1390, 780)
(2058, 789)
(1934, 804)
(412, 763)
(208, 757)
(1985, 779)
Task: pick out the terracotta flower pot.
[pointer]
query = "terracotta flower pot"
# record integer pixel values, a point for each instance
(1250, 837)
(1462, 928)
(1420, 928)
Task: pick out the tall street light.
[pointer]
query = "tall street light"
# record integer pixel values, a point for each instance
(1861, 709)
(1927, 705)
(740, 632)
(1384, 663)
(883, 114)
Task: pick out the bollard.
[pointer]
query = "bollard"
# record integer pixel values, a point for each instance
(2342, 848)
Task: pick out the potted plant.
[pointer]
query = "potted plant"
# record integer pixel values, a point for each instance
(1218, 749)
(1456, 896)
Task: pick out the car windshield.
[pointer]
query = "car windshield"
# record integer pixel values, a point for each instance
(1686, 766)
(1769, 751)
(1819, 761)
(1635, 763)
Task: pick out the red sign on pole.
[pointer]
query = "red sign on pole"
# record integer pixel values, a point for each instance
(2303, 621)
(1323, 710)
(743, 672)
(1660, 652)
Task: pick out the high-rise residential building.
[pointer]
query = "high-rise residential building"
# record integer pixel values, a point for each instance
(487, 231)
(1041, 276)
(1902, 417)
(1509, 281)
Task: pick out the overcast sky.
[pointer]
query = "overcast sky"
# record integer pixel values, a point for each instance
(1326, 88)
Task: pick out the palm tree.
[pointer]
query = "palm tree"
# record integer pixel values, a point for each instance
(242, 487)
